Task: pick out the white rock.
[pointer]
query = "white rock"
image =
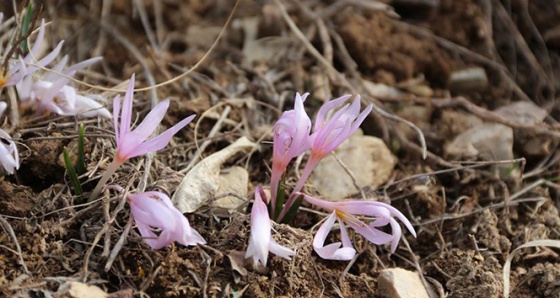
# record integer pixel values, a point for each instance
(76, 289)
(400, 283)
(367, 157)
(524, 112)
(202, 182)
(232, 180)
(490, 141)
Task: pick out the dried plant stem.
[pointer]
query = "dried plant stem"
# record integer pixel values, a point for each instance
(336, 76)
(14, 113)
(10, 232)
(113, 166)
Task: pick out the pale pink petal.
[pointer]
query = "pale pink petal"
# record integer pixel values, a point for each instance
(291, 139)
(325, 109)
(280, 250)
(45, 61)
(333, 251)
(154, 210)
(37, 43)
(8, 153)
(16, 74)
(81, 65)
(397, 233)
(126, 113)
(373, 235)
(260, 231)
(151, 121)
(159, 141)
(88, 107)
(116, 113)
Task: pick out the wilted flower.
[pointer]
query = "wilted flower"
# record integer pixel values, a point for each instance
(51, 93)
(328, 134)
(345, 212)
(261, 241)
(154, 209)
(8, 150)
(17, 69)
(291, 138)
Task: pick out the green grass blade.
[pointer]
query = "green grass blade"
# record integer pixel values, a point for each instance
(81, 163)
(26, 26)
(280, 198)
(72, 173)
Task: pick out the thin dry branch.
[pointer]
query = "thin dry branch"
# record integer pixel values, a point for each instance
(6, 225)
(494, 117)
(336, 76)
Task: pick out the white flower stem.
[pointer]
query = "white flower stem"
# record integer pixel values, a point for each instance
(110, 171)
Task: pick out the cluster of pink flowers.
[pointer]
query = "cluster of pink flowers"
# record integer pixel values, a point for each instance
(49, 92)
(336, 121)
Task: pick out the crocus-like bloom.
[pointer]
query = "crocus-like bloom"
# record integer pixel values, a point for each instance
(8, 150)
(135, 143)
(291, 138)
(18, 69)
(261, 241)
(154, 209)
(344, 212)
(328, 134)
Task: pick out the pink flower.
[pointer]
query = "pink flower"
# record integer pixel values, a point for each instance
(154, 209)
(328, 134)
(17, 70)
(8, 150)
(261, 241)
(344, 211)
(291, 138)
(135, 143)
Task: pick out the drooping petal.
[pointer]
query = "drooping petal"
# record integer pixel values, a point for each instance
(382, 212)
(260, 230)
(372, 234)
(8, 153)
(397, 233)
(332, 251)
(88, 107)
(280, 250)
(154, 209)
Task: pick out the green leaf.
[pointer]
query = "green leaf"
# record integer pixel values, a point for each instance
(280, 197)
(72, 173)
(26, 26)
(293, 209)
(81, 163)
